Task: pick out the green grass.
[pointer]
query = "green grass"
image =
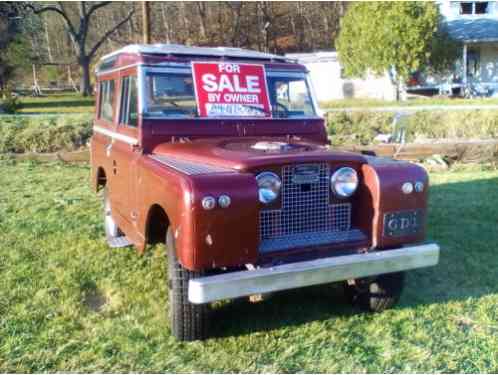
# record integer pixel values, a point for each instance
(371, 103)
(57, 103)
(69, 304)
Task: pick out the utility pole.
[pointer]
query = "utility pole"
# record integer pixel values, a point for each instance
(146, 21)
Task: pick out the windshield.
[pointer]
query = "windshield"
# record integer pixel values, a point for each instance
(173, 95)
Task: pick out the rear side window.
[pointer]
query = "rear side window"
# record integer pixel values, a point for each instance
(106, 100)
(128, 113)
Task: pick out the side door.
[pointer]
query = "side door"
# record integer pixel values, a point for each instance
(104, 127)
(126, 150)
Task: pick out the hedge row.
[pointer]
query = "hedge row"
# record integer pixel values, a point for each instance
(20, 134)
(72, 132)
(361, 128)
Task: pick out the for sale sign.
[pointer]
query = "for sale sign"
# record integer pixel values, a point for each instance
(231, 90)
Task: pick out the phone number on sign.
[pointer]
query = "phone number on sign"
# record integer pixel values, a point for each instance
(226, 109)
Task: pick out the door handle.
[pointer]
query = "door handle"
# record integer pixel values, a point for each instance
(108, 149)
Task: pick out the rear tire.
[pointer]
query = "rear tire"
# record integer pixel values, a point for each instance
(378, 293)
(188, 320)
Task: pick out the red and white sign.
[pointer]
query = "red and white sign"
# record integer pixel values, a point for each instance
(231, 90)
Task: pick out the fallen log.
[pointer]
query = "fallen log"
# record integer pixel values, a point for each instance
(458, 150)
(65, 156)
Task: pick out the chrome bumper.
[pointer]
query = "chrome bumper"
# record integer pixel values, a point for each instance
(314, 272)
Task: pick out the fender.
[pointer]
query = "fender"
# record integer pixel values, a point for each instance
(205, 239)
(383, 181)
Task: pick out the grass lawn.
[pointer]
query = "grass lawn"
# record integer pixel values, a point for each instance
(371, 103)
(57, 103)
(69, 304)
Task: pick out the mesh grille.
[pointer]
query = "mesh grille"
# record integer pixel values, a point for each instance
(306, 217)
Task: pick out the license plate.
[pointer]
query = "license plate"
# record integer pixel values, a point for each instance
(403, 223)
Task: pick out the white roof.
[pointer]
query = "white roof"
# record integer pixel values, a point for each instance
(314, 57)
(178, 49)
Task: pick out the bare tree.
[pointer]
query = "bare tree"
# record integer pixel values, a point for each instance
(78, 32)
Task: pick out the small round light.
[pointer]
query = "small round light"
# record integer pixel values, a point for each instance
(269, 185)
(224, 201)
(407, 188)
(344, 182)
(208, 203)
(419, 186)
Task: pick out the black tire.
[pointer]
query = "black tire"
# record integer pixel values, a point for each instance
(376, 294)
(110, 227)
(188, 320)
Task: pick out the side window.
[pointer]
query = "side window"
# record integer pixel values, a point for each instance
(128, 113)
(106, 100)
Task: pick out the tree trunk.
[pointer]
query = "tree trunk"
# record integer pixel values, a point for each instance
(85, 87)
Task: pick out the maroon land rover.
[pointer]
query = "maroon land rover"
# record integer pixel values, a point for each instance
(221, 154)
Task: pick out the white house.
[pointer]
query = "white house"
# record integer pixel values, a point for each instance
(330, 84)
(475, 24)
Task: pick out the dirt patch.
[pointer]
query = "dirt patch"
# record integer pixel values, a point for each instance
(94, 300)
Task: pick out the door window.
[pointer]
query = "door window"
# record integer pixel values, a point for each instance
(106, 108)
(128, 113)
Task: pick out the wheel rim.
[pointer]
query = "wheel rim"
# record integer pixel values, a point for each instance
(111, 229)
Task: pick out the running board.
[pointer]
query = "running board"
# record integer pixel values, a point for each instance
(118, 242)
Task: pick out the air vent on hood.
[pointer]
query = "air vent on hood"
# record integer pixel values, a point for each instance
(271, 146)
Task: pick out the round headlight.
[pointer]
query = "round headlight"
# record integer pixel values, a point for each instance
(344, 182)
(269, 185)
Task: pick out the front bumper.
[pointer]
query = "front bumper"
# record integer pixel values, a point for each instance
(314, 272)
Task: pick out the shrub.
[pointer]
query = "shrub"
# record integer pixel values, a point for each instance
(10, 104)
(361, 128)
(472, 124)
(357, 127)
(44, 134)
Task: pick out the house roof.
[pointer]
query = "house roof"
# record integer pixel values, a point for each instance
(314, 57)
(473, 30)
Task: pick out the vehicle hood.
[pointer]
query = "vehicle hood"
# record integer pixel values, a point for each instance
(252, 153)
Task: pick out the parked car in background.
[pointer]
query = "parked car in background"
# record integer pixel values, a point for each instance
(220, 154)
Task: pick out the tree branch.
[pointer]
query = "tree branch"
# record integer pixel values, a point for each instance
(96, 7)
(75, 36)
(57, 10)
(109, 32)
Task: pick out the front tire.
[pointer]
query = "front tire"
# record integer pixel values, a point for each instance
(378, 293)
(188, 320)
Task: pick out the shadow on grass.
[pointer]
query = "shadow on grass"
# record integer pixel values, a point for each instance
(283, 309)
(463, 220)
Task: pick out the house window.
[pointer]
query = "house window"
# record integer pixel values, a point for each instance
(466, 8)
(481, 7)
(106, 109)
(474, 7)
(128, 111)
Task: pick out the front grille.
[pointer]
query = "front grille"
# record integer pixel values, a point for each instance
(306, 217)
